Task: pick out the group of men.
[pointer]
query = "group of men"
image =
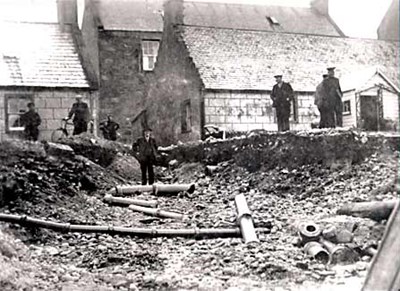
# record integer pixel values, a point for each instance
(328, 98)
(80, 115)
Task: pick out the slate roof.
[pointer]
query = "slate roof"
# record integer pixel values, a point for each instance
(247, 60)
(130, 15)
(33, 54)
(254, 17)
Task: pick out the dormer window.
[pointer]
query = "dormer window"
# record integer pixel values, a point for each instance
(272, 20)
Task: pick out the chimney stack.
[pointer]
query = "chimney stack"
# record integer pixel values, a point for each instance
(67, 13)
(173, 12)
(322, 6)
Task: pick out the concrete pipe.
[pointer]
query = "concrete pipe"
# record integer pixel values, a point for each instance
(244, 219)
(339, 254)
(316, 251)
(128, 201)
(157, 212)
(309, 231)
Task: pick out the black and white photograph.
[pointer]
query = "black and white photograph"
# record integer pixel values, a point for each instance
(203, 145)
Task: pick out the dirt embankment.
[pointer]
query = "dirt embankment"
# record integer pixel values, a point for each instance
(291, 149)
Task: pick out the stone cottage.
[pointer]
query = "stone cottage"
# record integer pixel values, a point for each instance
(121, 39)
(40, 63)
(217, 61)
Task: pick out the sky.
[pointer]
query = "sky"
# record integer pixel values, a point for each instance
(356, 18)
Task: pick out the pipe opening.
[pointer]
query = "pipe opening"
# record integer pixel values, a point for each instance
(311, 228)
(322, 257)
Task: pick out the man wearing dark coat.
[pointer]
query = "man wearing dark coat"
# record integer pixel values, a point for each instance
(326, 112)
(282, 95)
(31, 121)
(334, 94)
(80, 111)
(145, 150)
(109, 128)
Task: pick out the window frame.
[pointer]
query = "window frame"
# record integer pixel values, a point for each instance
(186, 116)
(346, 112)
(143, 54)
(8, 127)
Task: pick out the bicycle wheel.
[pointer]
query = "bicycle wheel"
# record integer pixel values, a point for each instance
(58, 134)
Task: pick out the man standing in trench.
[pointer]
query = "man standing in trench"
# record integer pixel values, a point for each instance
(334, 95)
(145, 150)
(282, 96)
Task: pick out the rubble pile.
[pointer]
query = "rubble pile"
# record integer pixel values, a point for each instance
(28, 173)
(280, 199)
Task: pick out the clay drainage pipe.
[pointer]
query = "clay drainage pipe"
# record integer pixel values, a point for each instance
(244, 219)
(138, 232)
(155, 188)
(128, 201)
(157, 212)
(315, 250)
(309, 231)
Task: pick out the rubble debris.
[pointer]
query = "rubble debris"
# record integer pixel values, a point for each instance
(244, 219)
(128, 201)
(376, 210)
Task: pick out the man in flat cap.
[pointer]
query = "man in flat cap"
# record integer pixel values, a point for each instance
(334, 94)
(282, 95)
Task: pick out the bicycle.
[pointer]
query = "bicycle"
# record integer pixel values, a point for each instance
(62, 131)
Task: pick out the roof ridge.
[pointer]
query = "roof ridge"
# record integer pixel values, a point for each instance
(289, 33)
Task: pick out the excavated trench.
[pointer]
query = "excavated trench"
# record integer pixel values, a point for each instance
(286, 178)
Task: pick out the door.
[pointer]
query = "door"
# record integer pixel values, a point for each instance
(369, 112)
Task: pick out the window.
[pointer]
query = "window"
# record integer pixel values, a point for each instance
(16, 105)
(186, 124)
(149, 54)
(272, 20)
(346, 107)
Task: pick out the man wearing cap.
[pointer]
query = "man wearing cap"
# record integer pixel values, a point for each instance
(145, 150)
(31, 121)
(282, 95)
(325, 110)
(80, 111)
(334, 93)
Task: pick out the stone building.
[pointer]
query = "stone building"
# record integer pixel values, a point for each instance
(121, 39)
(217, 61)
(40, 63)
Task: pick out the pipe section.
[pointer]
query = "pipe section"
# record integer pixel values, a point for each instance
(244, 219)
(155, 189)
(128, 201)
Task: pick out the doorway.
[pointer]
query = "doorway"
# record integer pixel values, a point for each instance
(369, 113)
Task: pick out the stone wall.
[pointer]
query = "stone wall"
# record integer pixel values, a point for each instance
(243, 111)
(52, 106)
(123, 84)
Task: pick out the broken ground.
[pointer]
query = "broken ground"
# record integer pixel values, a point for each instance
(287, 178)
